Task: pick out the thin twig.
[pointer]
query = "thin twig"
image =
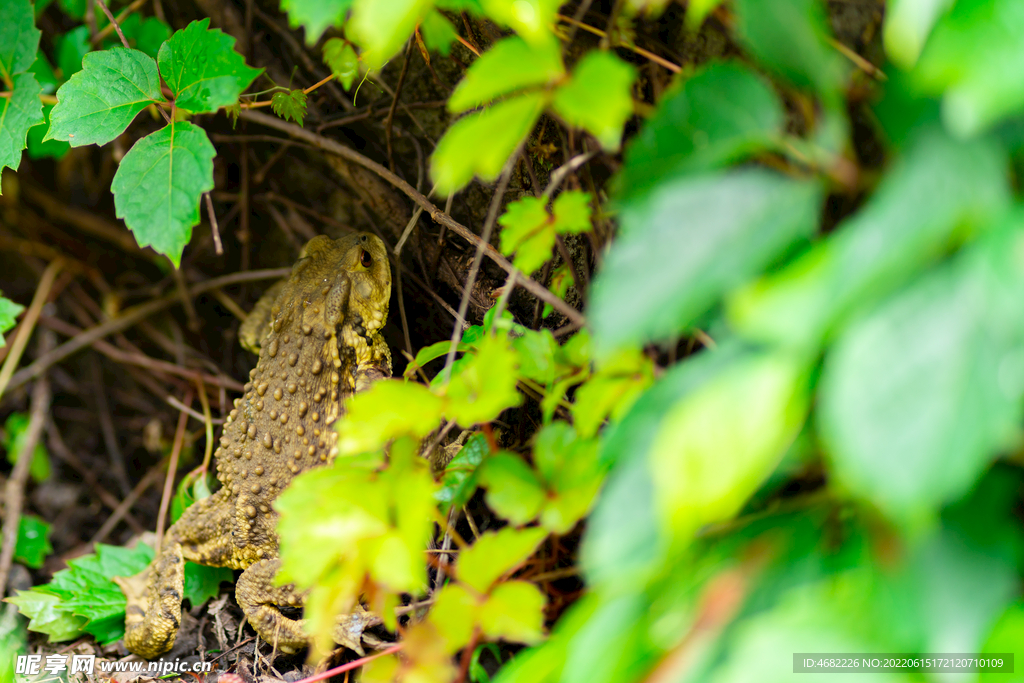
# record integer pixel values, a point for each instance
(172, 468)
(438, 216)
(113, 21)
(478, 257)
(661, 61)
(126, 505)
(28, 323)
(106, 31)
(14, 493)
(218, 248)
(390, 119)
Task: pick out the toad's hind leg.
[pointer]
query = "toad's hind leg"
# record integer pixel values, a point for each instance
(153, 610)
(262, 600)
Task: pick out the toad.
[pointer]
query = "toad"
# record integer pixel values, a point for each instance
(318, 338)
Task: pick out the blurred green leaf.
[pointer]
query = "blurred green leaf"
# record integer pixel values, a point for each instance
(513, 490)
(1005, 636)
(18, 113)
(44, 74)
(527, 232)
(37, 148)
(567, 464)
(908, 23)
(531, 19)
(9, 312)
(150, 35)
(316, 16)
(13, 640)
(970, 60)
(599, 97)
(16, 428)
(202, 69)
(611, 391)
(97, 103)
(481, 143)
(921, 393)
(341, 57)
(387, 409)
(161, 213)
(438, 33)
(495, 554)
(454, 615)
(33, 542)
(289, 105)
(791, 38)
(485, 385)
(71, 50)
(572, 212)
(381, 27)
(938, 194)
(514, 612)
(693, 240)
(718, 444)
(19, 38)
(73, 8)
(723, 113)
(509, 65)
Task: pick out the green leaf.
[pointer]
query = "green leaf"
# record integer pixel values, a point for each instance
(1005, 634)
(289, 105)
(9, 312)
(969, 60)
(47, 614)
(495, 554)
(791, 38)
(73, 8)
(921, 393)
(202, 68)
(454, 615)
(99, 101)
(718, 444)
(316, 16)
(485, 385)
(514, 612)
(611, 391)
(935, 196)
(72, 47)
(528, 232)
(693, 240)
(19, 38)
(44, 74)
(381, 27)
(49, 149)
(724, 112)
(33, 544)
(908, 24)
(531, 19)
(16, 427)
(13, 640)
(568, 465)
(598, 97)
(388, 409)
(481, 143)
(203, 583)
(438, 33)
(572, 212)
(343, 61)
(150, 35)
(18, 113)
(510, 65)
(459, 480)
(513, 490)
(158, 185)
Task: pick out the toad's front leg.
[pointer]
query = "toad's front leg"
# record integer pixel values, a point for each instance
(153, 611)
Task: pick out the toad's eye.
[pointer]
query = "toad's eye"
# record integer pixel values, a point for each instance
(365, 259)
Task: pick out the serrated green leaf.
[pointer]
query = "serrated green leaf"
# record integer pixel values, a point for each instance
(694, 239)
(480, 144)
(33, 544)
(19, 38)
(202, 69)
(514, 612)
(508, 66)
(48, 615)
(938, 193)
(158, 185)
(72, 47)
(13, 640)
(9, 312)
(289, 105)
(969, 61)
(531, 19)
(381, 27)
(438, 33)
(459, 480)
(316, 16)
(946, 346)
(16, 427)
(724, 112)
(598, 97)
(343, 61)
(99, 101)
(18, 112)
(454, 616)
(388, 409)
(792, 39)
(485, 385)
(513, 490)
(568, 466)
(538, 356)
(495, 554)
(528, 232)
(612, 390)
(572, 212)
